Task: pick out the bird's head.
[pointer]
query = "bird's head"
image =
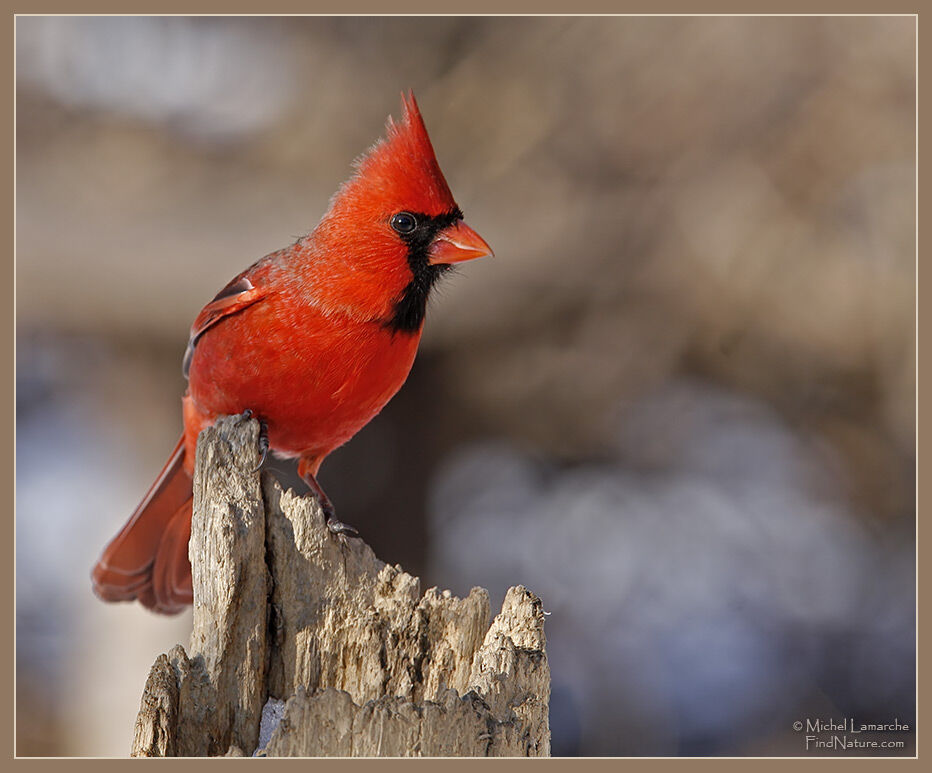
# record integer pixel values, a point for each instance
(394, 227)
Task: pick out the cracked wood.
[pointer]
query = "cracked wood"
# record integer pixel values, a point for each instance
(367, 664)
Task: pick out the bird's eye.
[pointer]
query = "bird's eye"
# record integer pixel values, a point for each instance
(404, 222)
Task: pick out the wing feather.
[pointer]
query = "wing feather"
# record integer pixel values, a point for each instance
(238, 294)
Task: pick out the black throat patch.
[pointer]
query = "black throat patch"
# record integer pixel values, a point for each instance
(411, 307)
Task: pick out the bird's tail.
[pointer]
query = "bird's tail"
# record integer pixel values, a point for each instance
(148, 559)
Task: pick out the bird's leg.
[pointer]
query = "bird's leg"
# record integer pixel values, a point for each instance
(306, 470)
(263, 438)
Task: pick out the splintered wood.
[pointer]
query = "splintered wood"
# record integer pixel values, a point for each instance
(366, 665)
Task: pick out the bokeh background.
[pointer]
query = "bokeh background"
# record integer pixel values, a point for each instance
(679, 403)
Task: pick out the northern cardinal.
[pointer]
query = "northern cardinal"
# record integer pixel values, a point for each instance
(313, 340)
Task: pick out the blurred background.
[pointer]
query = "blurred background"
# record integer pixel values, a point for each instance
(679, 403)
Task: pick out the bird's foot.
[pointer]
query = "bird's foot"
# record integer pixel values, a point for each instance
(330, 516)
(336, 527)
(340, 528)
(263, 438)
(263, 445)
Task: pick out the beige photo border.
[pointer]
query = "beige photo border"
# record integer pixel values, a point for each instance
(415, 7)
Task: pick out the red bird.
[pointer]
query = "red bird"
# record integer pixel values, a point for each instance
(313, 340)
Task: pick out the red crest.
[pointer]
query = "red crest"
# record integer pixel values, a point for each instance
(401, 172)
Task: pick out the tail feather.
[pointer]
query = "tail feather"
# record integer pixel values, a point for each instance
(148, 559)
(171, 573)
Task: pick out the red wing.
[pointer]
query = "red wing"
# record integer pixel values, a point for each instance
(236, 296)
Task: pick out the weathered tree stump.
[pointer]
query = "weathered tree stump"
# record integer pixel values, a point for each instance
(316, 630)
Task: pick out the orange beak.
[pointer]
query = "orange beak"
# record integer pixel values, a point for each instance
(456, 243)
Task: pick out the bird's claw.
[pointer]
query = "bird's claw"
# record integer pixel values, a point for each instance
(338, 527)
(263, 447)
(263, 438)
(326, 506)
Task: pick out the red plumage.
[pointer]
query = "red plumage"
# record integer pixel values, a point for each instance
(314, 339)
